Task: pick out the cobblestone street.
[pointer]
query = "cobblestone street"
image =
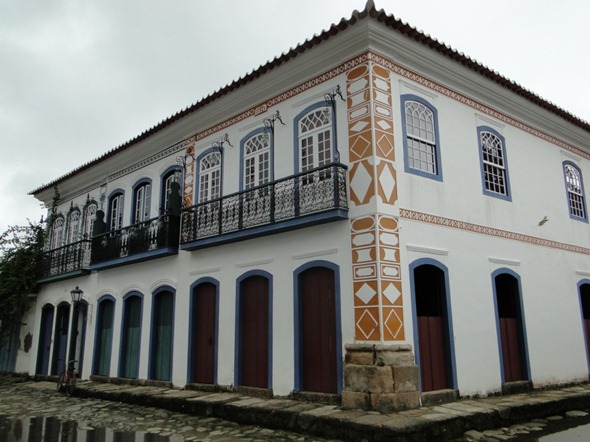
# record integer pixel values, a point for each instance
(99, 419)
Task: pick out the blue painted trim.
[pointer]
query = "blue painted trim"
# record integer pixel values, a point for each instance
(520, 319)
(123, 337)
(581, 283)
(438, 158)
(100, 303)
(155, 294)
(303, 113)
(572, 216)
(269, 229)
(298, 381)
(448, 318)
(237, 361)
(198, 169)
(191, 356)
(508, 196)
(271, 153)
(145, 256)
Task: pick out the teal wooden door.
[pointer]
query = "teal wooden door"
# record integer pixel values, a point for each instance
(162, 337)
(44, 340)
(131, 338)
(104, 338)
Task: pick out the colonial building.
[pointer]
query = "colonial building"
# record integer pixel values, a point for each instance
(371, 214)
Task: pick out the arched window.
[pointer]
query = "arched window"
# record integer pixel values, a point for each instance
(57, 232)
(210, 177)
(142, 193)
(575, 191)
(494, 167)
(173, 176)
(315, 138)
(115, 220)
(420, 137)
(256, 151)
(89, 217)
(73, 226)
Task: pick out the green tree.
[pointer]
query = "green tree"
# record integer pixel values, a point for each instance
(20, 252)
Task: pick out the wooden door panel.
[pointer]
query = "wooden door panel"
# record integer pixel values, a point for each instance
(204, 339)
(254, 332)
(318, 330)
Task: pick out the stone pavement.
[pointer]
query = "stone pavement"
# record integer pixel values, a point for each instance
(470, 419)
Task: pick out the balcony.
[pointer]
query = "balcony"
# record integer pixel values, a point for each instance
(309, 198)
(65, 262)
(149, 239)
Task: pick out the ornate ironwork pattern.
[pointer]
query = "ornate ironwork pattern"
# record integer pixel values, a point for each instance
(310, 192)
(153, 234)
(65, 259)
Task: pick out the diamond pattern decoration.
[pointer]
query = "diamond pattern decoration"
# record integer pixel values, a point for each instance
(367, 324)
(375, 264)
(365, 293)
(361, 183)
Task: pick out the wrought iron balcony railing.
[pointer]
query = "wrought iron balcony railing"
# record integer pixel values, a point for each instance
(74, 257)
(312, 192)
(138, 239)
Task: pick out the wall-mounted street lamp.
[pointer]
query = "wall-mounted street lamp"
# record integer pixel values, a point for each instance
(76, 295)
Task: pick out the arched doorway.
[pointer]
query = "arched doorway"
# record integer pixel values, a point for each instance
(44, 349)
(104, 336)
(510, 328)
(317, 333)
(78, 335)
(161, 339)
(253, 332)
(584, 290)
(131, 337)
(203, 333)
(60, 339)
(432, 316)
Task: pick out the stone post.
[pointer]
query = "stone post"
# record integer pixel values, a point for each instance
(380, 377)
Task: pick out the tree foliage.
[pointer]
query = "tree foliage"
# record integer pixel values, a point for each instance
(20, 252)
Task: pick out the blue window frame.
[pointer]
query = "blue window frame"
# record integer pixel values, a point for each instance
(574, 187)
(115, 214)
(209, 174)
(315, 141)
(493, 163)
(142, 195)
(421, 139)
(172, 175)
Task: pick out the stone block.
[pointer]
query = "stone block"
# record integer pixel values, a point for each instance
(394, 356)
(406, 378)
(356, 399)
(368, 378)
(384, 402)
(408, 400)
(359, 357)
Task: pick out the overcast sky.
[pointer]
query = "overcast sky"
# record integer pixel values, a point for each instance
(79, 78)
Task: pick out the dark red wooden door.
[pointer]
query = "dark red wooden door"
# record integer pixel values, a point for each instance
(433, 366)
(585, 301)
(254, 332)
(204, 339)
(433, 333)
(317, 310)
(511, 351)
(511, 327)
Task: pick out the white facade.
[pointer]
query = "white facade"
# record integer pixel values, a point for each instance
(443, 219)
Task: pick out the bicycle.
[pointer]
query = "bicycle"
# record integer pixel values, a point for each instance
(67, 379)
